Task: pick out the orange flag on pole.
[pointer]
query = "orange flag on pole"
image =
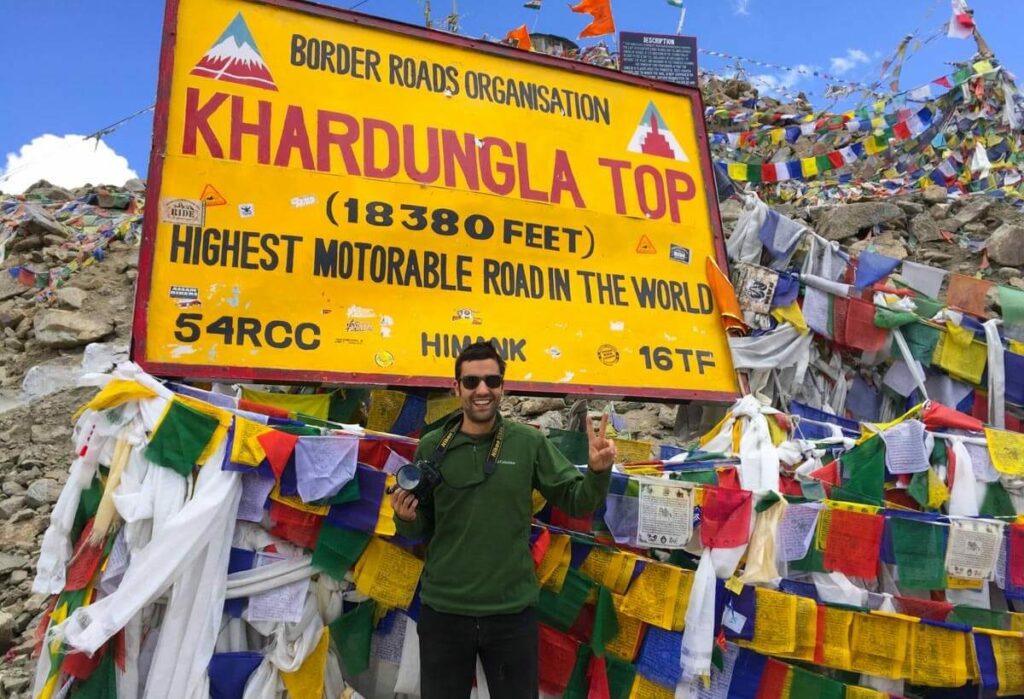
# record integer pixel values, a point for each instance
(520, 38)
(601, 11)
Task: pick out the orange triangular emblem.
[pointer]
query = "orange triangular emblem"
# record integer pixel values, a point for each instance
(645, 246)
(211, 197)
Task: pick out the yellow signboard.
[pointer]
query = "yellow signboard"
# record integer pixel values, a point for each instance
(342, 198)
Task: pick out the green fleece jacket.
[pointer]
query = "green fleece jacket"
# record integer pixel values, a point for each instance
(478, 550)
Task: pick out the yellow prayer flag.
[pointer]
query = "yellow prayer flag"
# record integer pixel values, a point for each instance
(960, 354)
(737, 171)
(806, 629)
(555, 565)
(1016, 621)
(539, 503)
(388, 573)
(308, 680)
(1006, 449)
(775, 623)
(297, 503)
(645, 689)
(316, 405)
(777, 135)
(654, 595)
(115, 393)
(626, 643)
(632, 450)
(938, 493)
(441, 406)
(682, 600)
(808, 166)
(792, 314)
(879, 644)
(1017, 347)
(606, 566)
(386, 514)
(245, 447)
(982, 67)
(1009, 664)
(953, 583)
(855, 692)
(937, 656)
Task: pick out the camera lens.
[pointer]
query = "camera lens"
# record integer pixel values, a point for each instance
(408, 477)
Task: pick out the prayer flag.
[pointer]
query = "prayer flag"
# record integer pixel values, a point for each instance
(725, 517)
(230, 671)
(352, 633)
(560, 609)
(181, 437)
(919, 548)
(853, 543)
(520, 38)
(725, 297)
(601, 11)
(557, 658)
(308, 680)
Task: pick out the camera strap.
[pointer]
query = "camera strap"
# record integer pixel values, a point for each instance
(490, 465)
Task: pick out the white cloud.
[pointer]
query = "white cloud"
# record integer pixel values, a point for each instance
(774, 83)
(741, 7)
(844, 64)
(67, 161)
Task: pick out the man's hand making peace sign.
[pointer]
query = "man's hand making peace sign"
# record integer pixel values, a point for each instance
(601, 449)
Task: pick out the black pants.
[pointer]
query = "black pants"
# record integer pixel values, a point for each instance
(450, 643)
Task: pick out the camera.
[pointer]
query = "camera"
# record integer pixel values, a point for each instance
(419, 478)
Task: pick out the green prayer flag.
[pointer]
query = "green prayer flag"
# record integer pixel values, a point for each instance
(809, 684)
(918, 488)
(939, 456)
(579, 687)
(920, 552)
(300, 430)
(606, 622)
(351, 634)
(620, 677)
(753, 172)
(921, 339)
(573, 445)
(1011, 302)
(704, 476)
(337, 549)
(767, 501)
(982, 618)
(813, 562)
(102, 683)
(865, 464)
(886, 318)
(997, 502)
(346, 404)
(824, 164)
(88, 505)
(180, 438)
(560, 609)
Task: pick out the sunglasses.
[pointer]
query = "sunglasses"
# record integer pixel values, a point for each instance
(471, 382)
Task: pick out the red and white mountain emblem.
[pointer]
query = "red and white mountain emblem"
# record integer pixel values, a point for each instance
(234, 57)
(653, 137)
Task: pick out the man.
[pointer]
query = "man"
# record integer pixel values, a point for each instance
(479, 588)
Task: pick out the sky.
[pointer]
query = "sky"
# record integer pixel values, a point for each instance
(75, 67)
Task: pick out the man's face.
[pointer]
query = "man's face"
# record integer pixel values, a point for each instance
(479, 404)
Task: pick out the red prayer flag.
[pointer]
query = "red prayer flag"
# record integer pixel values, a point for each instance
(853, 543)
(836, 158)
(937, 416)
(768, 173)
(540, 547)
(829, 473)
(254, 407)
(923, 608)
(773, 680)
(901, 130)
(1015, 563)
(601, 11)
(79, 665)
(85, 561)
(562, 520)
(728, 477)
(861, 331)
(597, 676)
(944, 82)
(278, 446)
(725, 517)
(556, 659)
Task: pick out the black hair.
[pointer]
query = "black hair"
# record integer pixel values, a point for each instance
(478, 351)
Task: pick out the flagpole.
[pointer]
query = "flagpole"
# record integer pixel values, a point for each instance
(682, 18)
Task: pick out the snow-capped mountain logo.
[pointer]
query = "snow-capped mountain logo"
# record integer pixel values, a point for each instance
(234, 57)
(653, 137)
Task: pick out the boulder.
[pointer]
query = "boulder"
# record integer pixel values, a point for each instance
(973, 210)
(71, 297)
(935, 195)
(9, 288)
(535, 406)
(65, 329)
(1006, 245)
(886, 244)
(846, 221)
(43, 491)
(924, 228)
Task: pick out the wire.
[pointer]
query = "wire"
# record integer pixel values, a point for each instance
(359, 4)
